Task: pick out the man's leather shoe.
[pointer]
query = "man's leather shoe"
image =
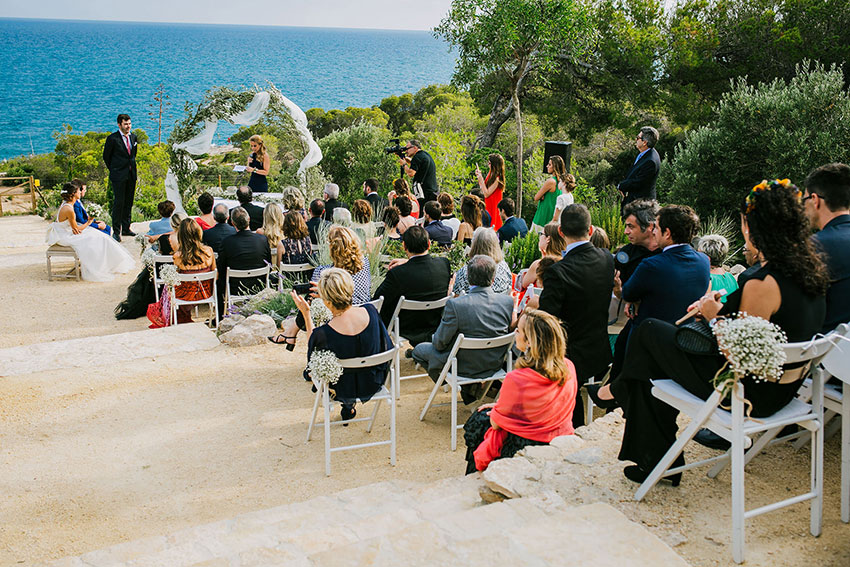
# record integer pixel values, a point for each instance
(116, 236)
(708, 438)
(128, 232)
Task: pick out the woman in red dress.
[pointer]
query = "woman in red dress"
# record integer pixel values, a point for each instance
(192, 258)
(493, 186)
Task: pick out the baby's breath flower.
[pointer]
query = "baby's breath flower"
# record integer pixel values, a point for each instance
(169, 275)
(319, 312)
(752, 346)
(324, 366)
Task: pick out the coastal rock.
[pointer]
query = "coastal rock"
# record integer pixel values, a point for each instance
(589, 456)
(511, 477)
(567, 443)
(539, 454)
(228, 323)
(251, 331)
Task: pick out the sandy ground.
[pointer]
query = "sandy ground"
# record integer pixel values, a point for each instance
(93, 458)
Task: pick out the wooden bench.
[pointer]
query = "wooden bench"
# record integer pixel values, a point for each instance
(63, 252)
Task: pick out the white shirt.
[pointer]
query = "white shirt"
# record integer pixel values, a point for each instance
(666, 248)
(564, 199)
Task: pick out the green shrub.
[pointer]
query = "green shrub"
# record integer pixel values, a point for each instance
(522, 251)
(606, 215)
(353, 154)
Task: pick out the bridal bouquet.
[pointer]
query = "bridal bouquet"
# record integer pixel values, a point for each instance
(752, 346)
(324, 366)
(319, 312)
(169, 275)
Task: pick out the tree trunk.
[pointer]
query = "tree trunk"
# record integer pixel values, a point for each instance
(503, 107)
(518, 114)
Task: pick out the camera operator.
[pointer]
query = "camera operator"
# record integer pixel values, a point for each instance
(421, 167)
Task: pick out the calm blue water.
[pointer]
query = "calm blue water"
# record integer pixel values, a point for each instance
(85, 73)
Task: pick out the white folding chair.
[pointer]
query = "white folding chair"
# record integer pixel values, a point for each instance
(384, 394)
(739, 430)
(211, 300)
(410, 305)
(158, 260)
(530, 291)
(837, 363)
(377, 303)
(294, 272)
(230, 297)
(449, 374)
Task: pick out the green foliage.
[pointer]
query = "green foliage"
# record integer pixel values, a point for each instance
(151, 167)
(353, 154)
(81, 155)
(774, 130)
(606, 215)
(448, 148)
(522, 251)
(269, 302)
(728, 227)
(403, 111)
(322, 123)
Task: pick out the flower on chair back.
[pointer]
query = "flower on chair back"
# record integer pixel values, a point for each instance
(169, 275)
(319, 312)
(752, 346)
(324, 366)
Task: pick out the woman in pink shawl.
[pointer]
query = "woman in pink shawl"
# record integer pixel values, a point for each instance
(536, 400)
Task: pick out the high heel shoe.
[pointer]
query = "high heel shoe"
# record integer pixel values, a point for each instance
(593, 393)
(636, 474)
(282, 339)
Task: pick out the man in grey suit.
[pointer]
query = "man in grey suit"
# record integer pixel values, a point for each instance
(479, 314)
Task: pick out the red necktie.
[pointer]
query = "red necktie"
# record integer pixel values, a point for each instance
(127, 143)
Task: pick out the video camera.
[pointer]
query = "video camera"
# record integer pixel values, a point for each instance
(396, 149)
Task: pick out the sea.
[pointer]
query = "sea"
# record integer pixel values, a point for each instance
(84, 73)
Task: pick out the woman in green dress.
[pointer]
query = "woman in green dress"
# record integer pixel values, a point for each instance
(547, 196)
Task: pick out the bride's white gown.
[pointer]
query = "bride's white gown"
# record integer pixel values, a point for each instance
(100, 256)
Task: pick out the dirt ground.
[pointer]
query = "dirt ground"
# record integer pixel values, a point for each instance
(109, 454)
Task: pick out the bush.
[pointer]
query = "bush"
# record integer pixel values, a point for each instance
(353, 154)
(774, 130)
(522, 251)
(606, 215)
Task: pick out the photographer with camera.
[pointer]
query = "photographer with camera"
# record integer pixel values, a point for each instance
(419, 165)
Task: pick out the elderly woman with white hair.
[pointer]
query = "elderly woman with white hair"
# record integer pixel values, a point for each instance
(332, 202)
(485, 241)
(716, 247)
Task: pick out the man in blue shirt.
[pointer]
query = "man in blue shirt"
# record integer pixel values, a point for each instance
(163, 225)
(640, 181)
(827, 202)
(511, 226)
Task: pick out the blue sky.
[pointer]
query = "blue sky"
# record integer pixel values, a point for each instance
(377, 14)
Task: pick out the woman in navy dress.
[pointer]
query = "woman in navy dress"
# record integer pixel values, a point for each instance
(353, 332)
(258, 165)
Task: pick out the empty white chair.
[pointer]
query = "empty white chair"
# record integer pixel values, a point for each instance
(384, 394)
(449, 373)
(739, 430)
(837, 363)
(395, 332)
(377, 303)
(211, 300)
(230, 297)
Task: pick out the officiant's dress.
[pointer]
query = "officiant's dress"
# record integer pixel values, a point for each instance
(100, 256)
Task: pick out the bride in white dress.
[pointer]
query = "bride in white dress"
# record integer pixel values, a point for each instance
(100, 256)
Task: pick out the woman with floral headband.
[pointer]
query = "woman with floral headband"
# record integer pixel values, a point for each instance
(786, 285)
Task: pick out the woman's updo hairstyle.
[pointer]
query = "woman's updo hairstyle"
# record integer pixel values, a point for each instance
(336, 288)
(68, 191)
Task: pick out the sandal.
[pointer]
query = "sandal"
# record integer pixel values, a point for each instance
(281, 339)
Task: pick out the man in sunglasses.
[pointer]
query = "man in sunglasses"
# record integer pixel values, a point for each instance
(640, 181)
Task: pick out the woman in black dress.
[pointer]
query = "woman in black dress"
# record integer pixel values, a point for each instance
(786, 285)
(353, 332)
(258, 165)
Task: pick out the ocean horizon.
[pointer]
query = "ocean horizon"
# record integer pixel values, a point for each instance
(84, 73)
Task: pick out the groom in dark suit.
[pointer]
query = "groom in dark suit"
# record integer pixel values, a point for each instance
(119, 153)
(640, 182)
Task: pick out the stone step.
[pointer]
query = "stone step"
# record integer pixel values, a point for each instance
(106, 351)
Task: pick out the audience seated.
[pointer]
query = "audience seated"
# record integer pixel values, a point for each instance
(293, 200)
(245, 250)
(577, 290)
(294, 247)
(346, 253)
(471, 214)
(391, 219)
(405, 208)
(193, 257)
(317, 213)
(447, 206)
(342, 217)
(353, 332)
(786, 285)
(827, 204)
(485, 241)
(362, 225)
(167, 243)
(511, 226)
(255, 212)
(437, 231)
(81, 215)
(536, 400)
(370, 193)
(401, 189)
(486, 219)
(420, 277)
(481, 313)
(331, 196)
(716, 247)
(220, 230)
(205, 205)
(272, 227)
(163, 225)
(552, 245)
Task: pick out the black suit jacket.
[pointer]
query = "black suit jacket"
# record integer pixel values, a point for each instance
(121, 165)
(378, 204)
(577, 290)
(245, 250)
(330, 205)
(213, 237)
(255, 212)
(422, 278)
(640, 181)
(313, 226)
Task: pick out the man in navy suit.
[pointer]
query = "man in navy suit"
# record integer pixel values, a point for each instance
(119, 154)
(640, 181)
(437, 231)
(827, 202)
(245, 250)
(511, 226)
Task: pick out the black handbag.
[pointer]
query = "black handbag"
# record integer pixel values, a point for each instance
(696, 337)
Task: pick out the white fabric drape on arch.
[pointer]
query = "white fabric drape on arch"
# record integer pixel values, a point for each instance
(202, 143)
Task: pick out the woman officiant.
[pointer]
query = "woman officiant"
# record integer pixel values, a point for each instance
(258, 165)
